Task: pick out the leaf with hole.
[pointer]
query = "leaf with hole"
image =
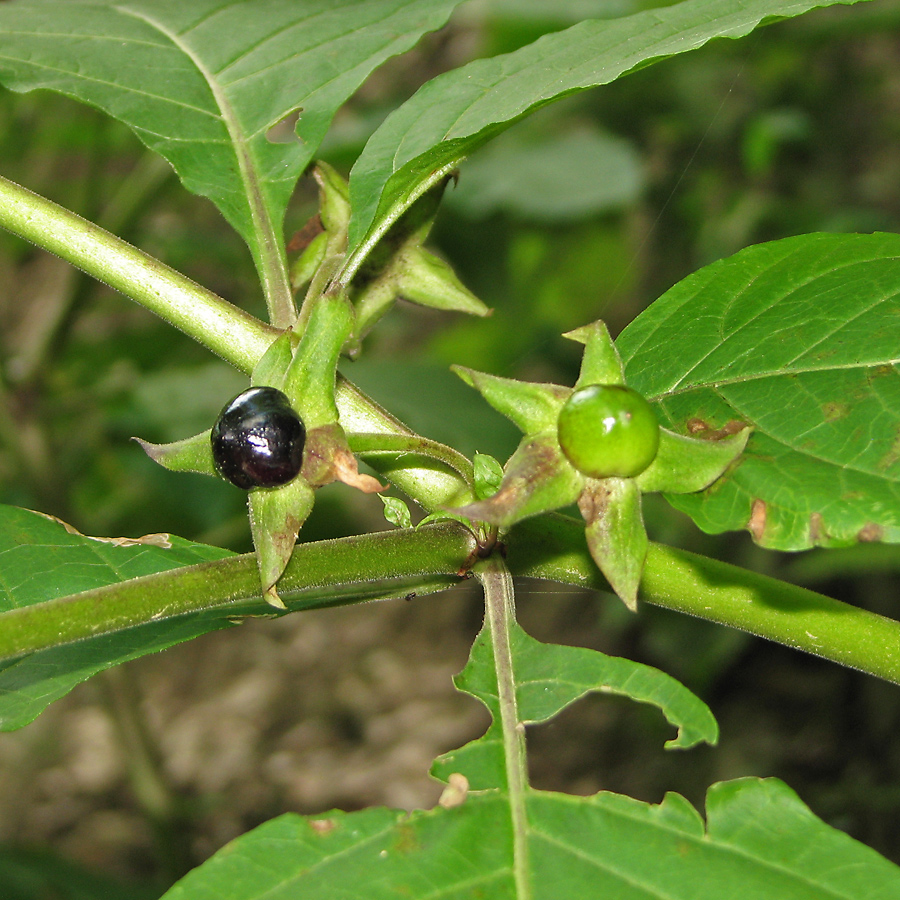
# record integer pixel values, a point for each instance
(204, 82)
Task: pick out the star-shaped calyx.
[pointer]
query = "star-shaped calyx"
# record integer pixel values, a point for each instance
(398, 267)
(302, 369)
(597, 444)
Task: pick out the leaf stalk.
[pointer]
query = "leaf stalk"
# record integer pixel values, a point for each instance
(500, 611)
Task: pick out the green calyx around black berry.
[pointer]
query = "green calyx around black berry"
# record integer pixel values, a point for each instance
(608, 431)
(258, 439)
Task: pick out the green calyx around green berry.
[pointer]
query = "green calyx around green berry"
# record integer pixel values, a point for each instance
(599, 445)
(608, 431)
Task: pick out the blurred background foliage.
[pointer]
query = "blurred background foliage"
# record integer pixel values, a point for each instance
(592, 208)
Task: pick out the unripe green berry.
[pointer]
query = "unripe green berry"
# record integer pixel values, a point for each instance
(608, 430)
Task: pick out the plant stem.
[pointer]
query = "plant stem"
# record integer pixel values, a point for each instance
(553, 547)
(433, 484)
(232, 333)
(375, 566)
(371, 446)
(395, 563)
(499, 603)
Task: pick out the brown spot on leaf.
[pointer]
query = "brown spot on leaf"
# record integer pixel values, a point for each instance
(879, 372)
(757, 523)
(733, 426)
(869, 533)
(815, 528)
(702, 429)
(835, 410)
(892, 456)
(405, 839)
(322, 826)
(594, 500)
(696, 426)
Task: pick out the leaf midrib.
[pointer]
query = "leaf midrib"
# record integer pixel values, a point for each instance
(268, 255)
(771, 373)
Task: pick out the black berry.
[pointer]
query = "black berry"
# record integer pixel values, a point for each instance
(258, 439)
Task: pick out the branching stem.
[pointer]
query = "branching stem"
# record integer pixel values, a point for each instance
(228, 331)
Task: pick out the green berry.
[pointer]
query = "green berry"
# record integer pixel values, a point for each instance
(608, 430)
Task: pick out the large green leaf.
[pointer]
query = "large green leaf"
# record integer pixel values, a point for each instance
(203, 82)
(548, 679)
(41, 560)
(455, 113)
(759, 843)
(801, 339)
(491, 838)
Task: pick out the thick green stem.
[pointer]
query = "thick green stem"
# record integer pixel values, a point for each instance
(396, 563)
(500, 611)
(553, 547)
(233, 334)
(328, 573)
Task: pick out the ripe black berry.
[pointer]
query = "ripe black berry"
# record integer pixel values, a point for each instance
(258, 439)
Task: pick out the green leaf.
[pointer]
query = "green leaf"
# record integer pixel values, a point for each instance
(684, 465)
(455, 113)
(759, 843)
(276, 517)
(798, 338)
(487, 475)
(396, 511)
(271, 369)
(549, 678)
(310, 377)
(44, 559)
(203, 82)
(193, 454)
(600, 363)
(616, 537)
(533, 407)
